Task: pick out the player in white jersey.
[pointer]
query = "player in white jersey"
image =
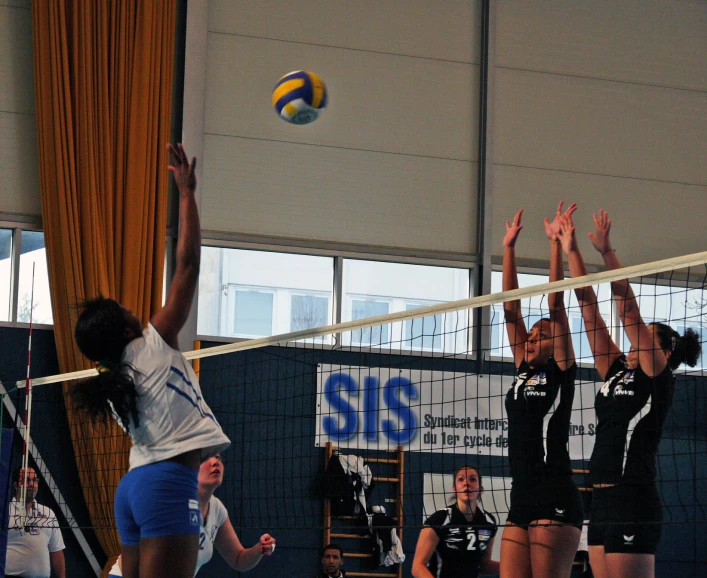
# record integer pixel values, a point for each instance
(154, 394)
(216, 528)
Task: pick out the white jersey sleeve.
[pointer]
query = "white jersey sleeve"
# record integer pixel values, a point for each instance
(172, 417)
(216, 518)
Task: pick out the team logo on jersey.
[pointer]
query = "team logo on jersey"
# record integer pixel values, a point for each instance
(32, 529)
(194, 513)
(484, 534)
(537, 379)
(628, 377)
(628, 540)
(530, 391)
(619, 390)
(454, 538)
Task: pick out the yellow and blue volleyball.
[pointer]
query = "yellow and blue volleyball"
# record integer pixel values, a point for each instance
(299, 97)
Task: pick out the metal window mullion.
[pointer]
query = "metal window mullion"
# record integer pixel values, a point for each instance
(338, 295)
(481, 327)
(15, 273)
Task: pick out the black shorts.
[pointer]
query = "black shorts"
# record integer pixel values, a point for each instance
(550, 499)
(626, 519)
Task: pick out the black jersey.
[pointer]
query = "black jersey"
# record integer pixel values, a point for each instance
(631, 409)
(462, 543)
(539, 407)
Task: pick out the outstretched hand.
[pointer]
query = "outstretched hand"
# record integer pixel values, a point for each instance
(566, 234)
(600, 239)
(552, 229)
(267, 545)
(513, 230)
(183, 171)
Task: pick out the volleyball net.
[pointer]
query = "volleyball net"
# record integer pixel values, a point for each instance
(374, 416)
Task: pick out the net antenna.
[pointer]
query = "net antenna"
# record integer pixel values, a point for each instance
(28, 414)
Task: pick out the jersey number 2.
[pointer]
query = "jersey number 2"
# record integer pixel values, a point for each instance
(471, 536)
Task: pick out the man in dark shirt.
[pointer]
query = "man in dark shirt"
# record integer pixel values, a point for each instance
(332, 561)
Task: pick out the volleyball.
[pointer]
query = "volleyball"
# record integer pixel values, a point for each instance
(299, 97)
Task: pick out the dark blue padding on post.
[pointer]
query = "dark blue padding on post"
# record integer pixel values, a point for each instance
(5, 485)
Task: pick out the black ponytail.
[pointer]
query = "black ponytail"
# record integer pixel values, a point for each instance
(101, 336)
(691, 347)
(111, 390)
(685, 349)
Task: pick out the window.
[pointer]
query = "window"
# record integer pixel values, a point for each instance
(376, 335)
(308, 312)
(424, 333)
(252, 313)
(373, 288)
(33, 284)
(23, 265)
(249, 294)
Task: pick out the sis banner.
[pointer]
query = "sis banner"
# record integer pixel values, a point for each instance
(378, 408)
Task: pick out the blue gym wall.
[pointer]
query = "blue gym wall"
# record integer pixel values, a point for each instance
(265, 399)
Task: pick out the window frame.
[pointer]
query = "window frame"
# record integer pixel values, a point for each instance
(17, 227)
(228, 318)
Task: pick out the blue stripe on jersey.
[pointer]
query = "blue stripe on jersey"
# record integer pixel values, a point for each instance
(188, 398)
(184, 378)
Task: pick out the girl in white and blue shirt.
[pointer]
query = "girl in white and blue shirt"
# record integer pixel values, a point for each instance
(154, 394)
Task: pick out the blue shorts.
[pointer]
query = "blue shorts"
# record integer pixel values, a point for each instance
(155, 500)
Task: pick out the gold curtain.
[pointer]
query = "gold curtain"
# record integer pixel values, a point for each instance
(103, 76)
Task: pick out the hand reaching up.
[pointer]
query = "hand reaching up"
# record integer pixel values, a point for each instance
(566, 233)
(182, 170)
(513, 230)
(600, 239)
(552, 229)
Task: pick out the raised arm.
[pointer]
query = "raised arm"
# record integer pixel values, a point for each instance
(563, 352)
(239, 558)
(169, 320)
(651, 358)
(603, 348)
(515, 326)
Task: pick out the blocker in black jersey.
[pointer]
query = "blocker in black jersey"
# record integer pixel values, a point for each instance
(539, 406)
(462, 543)
(631, 408)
